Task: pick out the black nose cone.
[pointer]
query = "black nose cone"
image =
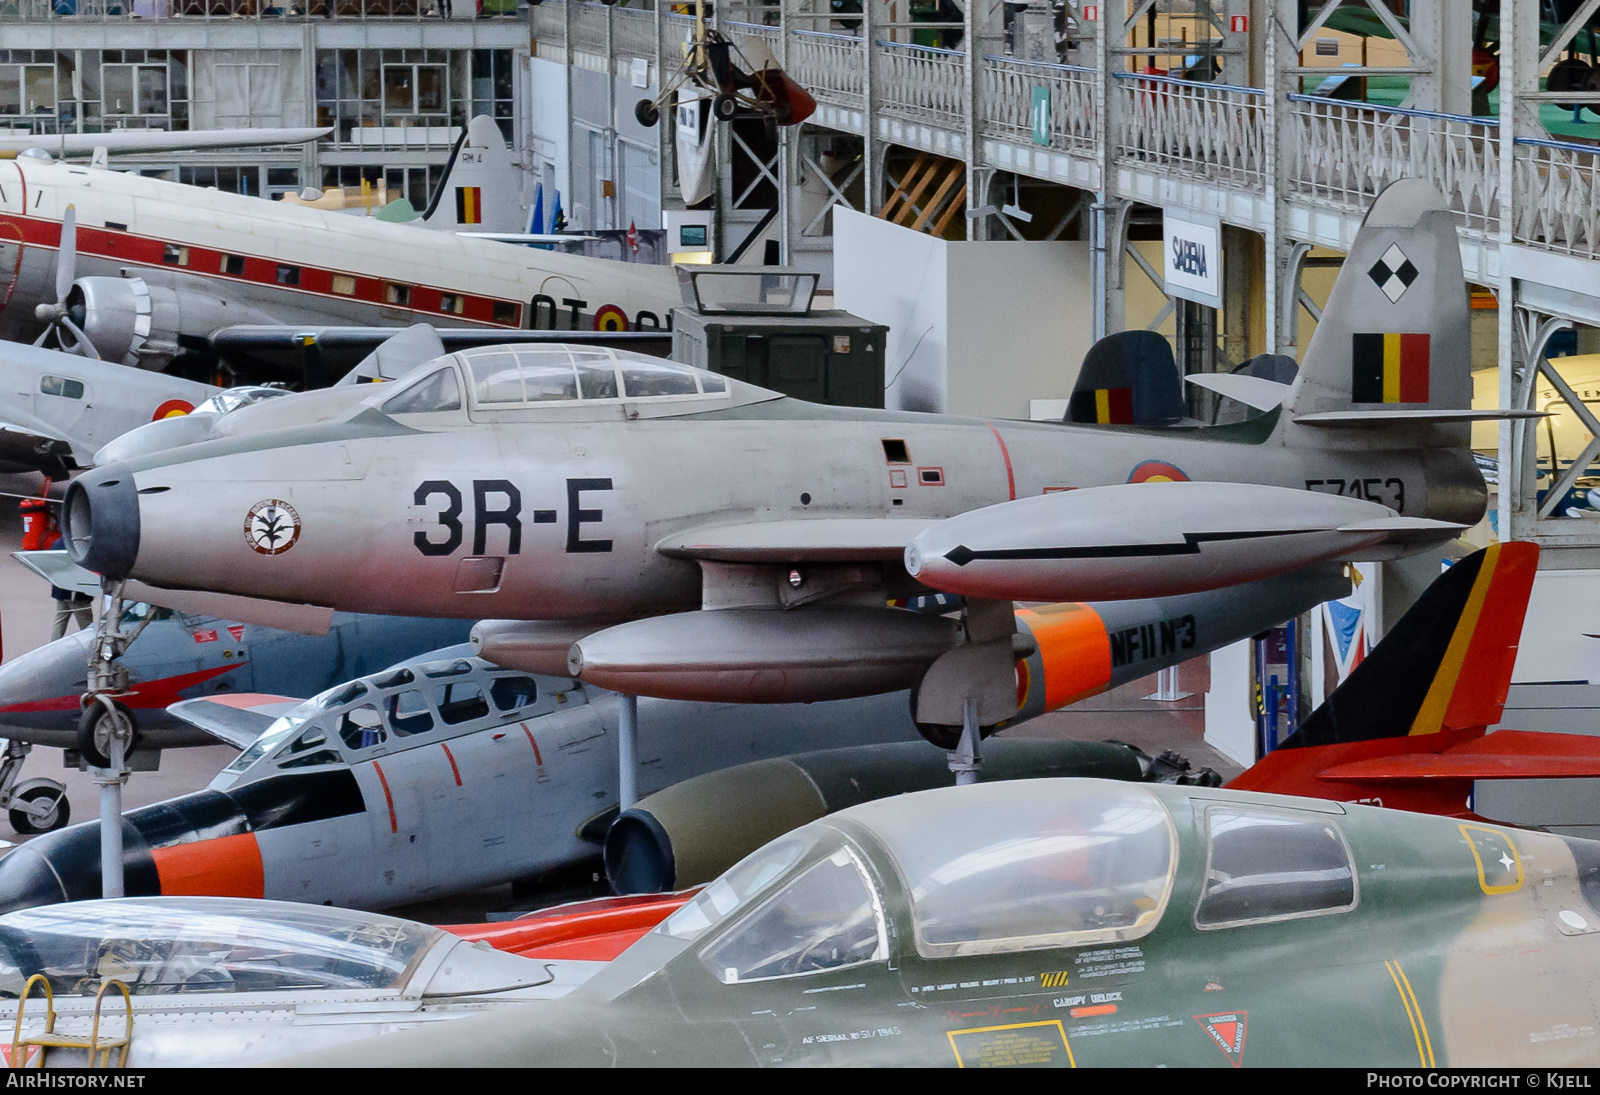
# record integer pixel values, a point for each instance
(101, 522)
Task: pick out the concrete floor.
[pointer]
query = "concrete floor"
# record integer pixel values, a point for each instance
(26, 613)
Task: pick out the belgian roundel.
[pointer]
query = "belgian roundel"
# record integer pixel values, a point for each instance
(1157, 471)
(172, 408)
(608, 317)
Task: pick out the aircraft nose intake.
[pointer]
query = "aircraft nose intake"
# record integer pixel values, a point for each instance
(27, 880)
(101, 522)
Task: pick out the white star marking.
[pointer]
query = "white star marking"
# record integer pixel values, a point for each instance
(1506, 861)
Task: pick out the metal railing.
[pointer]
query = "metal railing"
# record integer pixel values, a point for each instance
(1211, 131)
(830, 66)
(1009, 95)
(923, 83)
(146, 11)
(1347, 152)
(588, 28)
(1558, 197)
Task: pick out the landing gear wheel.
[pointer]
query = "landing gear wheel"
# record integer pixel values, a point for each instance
(725, 107)
(94, 735)
(23, 822)
(645, 112)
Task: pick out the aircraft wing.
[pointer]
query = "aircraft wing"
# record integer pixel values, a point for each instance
(33, 447)
(236, 720)
(284, 615)
(57, 568)
(818, 540)
(160, 140)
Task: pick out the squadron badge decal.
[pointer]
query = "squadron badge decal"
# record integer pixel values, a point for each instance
(271, 527)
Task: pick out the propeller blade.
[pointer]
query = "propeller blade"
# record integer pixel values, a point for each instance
(67, 257)
(81, 340)
(44, 334)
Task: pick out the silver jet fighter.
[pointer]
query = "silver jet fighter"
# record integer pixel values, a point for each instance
(671, 532)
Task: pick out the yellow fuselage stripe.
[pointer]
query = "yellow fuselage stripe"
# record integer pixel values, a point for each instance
(1430, 716)
(1421, 1022)
(1405, 1002)
(1102, 406)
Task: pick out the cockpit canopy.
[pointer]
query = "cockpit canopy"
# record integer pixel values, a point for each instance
(505, 378)
(398, 708)
(231, 399)
(207, 945)
(1049, 863)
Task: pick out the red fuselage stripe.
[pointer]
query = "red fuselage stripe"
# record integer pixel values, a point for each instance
(1011, 479)
(205, 262)
(451, 757)
(142, 697)
(537, 759)
(394, 822)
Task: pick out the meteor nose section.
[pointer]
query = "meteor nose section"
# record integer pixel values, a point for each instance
(101, 522)
(27, 880)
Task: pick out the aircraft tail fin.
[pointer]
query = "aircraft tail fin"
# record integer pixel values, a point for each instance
(1446, 665)
(481, 189)
(1129, 379)
(1392, 349)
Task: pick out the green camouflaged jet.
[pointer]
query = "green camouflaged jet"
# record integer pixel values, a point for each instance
(1083, 922)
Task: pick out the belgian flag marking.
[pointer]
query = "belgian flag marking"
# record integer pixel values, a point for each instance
(1388, 368)
(469, 205)
(1105, 406)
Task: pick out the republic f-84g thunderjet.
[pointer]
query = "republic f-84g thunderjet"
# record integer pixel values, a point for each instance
(665, 531)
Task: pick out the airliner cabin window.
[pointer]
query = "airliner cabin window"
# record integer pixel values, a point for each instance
(60, 385)
(1265, 865)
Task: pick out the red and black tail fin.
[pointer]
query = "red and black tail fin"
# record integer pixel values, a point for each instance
(1446, 665)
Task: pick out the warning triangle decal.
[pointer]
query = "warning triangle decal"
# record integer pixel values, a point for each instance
(1227, 1031)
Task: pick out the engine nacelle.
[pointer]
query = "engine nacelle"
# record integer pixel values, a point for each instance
(691, 832)
(136, 323)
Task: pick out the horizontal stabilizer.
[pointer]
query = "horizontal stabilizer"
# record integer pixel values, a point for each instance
(1252, 391)
(527, 237)
(283, 615)
(1457, 765)
(57, 568)
(1426, 416)
(236, 720)
(818, 540)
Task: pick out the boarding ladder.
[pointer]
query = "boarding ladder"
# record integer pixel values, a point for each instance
(47, 1039)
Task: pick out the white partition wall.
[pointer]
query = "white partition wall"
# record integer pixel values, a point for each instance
(975, 328)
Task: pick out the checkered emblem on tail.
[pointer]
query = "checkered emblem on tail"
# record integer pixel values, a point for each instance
(1393, 273)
